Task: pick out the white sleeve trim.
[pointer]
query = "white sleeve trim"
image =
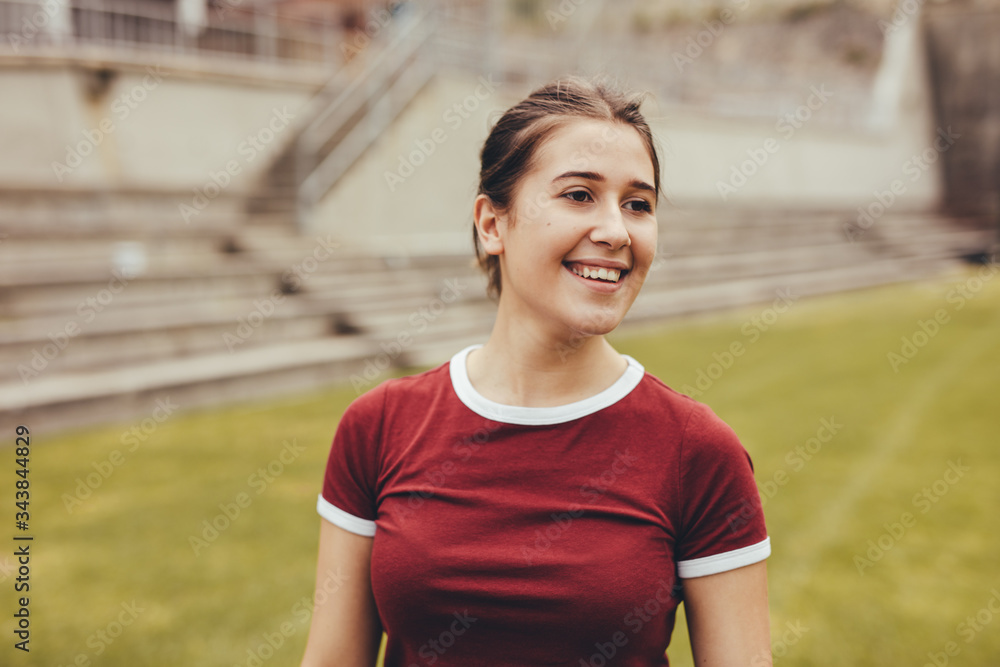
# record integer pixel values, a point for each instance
(701, 567)
(348, 522)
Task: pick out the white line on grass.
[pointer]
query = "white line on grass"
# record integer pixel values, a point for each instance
(827, 528)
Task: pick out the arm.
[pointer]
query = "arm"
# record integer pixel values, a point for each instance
(345, 629)
(728, 621)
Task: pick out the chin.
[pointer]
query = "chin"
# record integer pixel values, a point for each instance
(598, 322)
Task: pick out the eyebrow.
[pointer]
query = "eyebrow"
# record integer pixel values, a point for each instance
(594, 176)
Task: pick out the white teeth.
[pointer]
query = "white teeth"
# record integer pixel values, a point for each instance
(610, 275)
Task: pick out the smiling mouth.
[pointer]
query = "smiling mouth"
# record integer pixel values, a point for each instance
(598, 274)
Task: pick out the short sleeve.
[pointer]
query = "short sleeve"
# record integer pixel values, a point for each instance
(722, 520)
(348, 497)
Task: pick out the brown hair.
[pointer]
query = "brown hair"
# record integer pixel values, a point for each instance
(510, 149)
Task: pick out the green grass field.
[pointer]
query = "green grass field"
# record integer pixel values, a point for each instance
(882, 490)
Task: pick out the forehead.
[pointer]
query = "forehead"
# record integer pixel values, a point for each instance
(584, 144)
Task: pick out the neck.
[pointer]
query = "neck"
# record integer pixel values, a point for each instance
(527, 364)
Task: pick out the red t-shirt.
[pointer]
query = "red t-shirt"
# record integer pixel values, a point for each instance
(513, 536)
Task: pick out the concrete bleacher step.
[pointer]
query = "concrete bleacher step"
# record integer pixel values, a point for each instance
(165, 333)
(123, 339)
(678, 240)
(76, 299)
(660, 301)
(933, 240)
(712, 268)
(105, 251)
(60, 400)
(131, 263)
(420, 324)
(432, 337)
(64, 213)
(361, 294)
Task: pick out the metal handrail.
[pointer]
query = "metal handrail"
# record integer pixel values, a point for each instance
(378, 82)
(348, 83)
(353, 145)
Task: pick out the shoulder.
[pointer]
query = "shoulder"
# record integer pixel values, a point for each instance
(654, 396)
(702, 432)
(409, 390)
(370, 417)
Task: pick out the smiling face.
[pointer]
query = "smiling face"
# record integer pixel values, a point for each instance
(581, 234)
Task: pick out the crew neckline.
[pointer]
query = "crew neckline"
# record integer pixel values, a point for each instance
(535, 416)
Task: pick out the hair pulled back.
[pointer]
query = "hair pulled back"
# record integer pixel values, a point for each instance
(512, 145)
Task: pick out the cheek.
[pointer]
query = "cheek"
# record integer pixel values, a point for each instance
(553, 239)
(644, 245)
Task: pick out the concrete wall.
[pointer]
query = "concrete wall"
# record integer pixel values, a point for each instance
(62, 124)
(384, 204)
(413, 191)
(795, 162)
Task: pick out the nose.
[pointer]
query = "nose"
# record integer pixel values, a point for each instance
(610, 229)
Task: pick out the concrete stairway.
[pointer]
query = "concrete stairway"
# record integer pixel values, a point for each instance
(97, 327)
(717, 258)
(347, 115)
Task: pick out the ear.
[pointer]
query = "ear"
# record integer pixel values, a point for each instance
(490, 225)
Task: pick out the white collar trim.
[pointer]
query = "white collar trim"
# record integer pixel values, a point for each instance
(558, 414)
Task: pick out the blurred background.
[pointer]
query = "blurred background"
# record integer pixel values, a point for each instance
(221, 220)
(232, 198)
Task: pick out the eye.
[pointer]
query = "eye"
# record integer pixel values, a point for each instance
(577, 196)
(639, 206)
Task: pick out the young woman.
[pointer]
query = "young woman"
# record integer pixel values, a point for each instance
(541, 499)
